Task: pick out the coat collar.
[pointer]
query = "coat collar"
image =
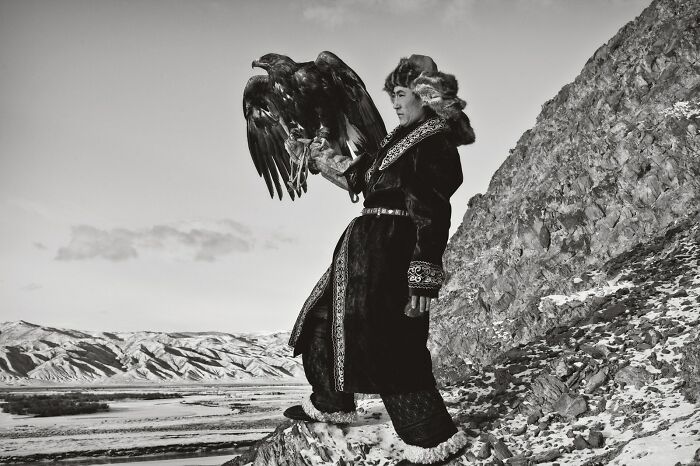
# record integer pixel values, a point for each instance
(423, 130)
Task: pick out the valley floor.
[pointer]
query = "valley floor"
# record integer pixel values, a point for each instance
(206, 419)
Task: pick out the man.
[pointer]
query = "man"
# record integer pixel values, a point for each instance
(364, 327)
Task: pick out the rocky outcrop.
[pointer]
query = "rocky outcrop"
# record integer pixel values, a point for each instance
(30, 353)
(612, 385)
(690, 369)
(613, 160)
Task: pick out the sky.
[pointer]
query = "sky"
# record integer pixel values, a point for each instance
(128, 198)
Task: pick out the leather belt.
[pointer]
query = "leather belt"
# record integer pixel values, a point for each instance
(383, 211)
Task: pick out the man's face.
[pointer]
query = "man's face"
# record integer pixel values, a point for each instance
(408, 106)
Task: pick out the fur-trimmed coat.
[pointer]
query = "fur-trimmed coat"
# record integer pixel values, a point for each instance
(381, 260)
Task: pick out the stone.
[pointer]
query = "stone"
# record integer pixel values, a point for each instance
(484, 451)
(602, 404)
(520, 460)
(501, 451)
(580, 443)
(690, 370)
(633, 375)
(595, 438)
(596, 380)
(613, 311)
(517, 368)
(546, 456)
(544, 393)
(488, 437)
(569, 406)
(652, 337)
(595, 351)
(561, 369)
(534, 417)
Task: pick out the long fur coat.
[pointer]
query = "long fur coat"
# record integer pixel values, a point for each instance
(382, 260)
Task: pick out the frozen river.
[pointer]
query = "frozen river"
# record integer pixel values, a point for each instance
(205, 459)
(203, 427)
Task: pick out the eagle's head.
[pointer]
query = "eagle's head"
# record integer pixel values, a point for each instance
(274, 62)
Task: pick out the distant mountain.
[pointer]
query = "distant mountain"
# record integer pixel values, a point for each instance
(31, 353)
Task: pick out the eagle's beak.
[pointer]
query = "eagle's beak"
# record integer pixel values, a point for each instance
(255, 63)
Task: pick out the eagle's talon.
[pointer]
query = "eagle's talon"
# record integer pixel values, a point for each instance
(323, 133)
(296, 133)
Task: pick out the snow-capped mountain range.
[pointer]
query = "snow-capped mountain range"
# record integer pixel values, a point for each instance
(30, 354)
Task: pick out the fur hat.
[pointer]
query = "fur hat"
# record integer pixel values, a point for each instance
(436, 89)
(407, 70)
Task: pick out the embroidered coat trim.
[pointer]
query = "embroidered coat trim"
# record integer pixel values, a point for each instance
(308, 304)
(340, 285)
(425, 275)
(425, 129)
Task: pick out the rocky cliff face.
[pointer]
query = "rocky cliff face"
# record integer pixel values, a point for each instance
(34, 354)
(613, 159)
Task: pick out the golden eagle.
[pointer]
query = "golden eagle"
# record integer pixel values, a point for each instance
(323, 99)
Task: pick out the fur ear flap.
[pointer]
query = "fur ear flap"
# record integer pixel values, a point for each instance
(439, 92)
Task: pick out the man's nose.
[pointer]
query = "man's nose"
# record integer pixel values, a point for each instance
(397, 105)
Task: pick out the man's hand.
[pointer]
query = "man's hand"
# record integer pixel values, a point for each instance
(316, 149)
(418, 306)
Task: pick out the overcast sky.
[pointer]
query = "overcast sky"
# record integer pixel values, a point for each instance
(128, 199)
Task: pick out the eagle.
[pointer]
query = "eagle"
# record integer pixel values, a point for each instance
(322, 99)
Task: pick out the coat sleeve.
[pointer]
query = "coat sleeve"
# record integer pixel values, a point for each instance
(434, 174)
(355, 174)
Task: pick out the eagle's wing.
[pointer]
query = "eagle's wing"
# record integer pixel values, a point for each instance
(364, 126)
(267, 132)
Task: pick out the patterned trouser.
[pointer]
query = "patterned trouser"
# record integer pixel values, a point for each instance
(420, 418)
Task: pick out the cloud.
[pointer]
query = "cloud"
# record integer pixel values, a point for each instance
(88, 242)
(199, 241)
(331, 14)
(39, 245)
(32, 287)
(457, 12)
